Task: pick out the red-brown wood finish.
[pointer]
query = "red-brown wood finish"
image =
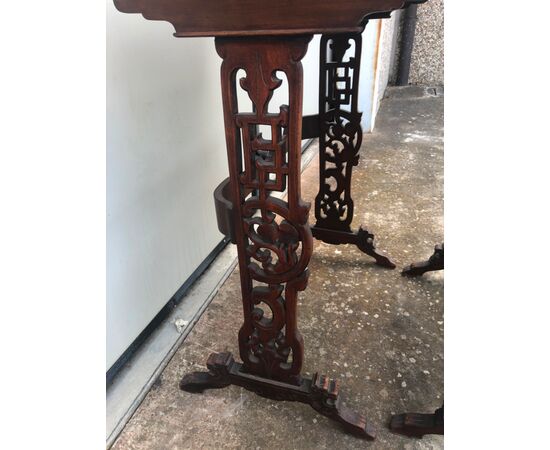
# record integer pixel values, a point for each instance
(320, 392)
(273, 237)
(261, 17)
(275, 242)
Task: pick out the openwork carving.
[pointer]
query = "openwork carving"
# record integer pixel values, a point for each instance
(275, 244)
(340, 130)
(340, 137)
(273, 237)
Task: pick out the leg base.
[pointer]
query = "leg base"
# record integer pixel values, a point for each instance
(435, 262)
(362, 238)
(320, 392)
(416, 424)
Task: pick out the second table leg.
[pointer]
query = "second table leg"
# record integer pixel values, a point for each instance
(340, 137)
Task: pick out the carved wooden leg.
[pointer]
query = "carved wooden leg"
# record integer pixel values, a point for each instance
(435, 262)
(273, 238)
(320, 392)
(417, 424)
(340, 137)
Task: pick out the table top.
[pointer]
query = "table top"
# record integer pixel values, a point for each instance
(262, 17)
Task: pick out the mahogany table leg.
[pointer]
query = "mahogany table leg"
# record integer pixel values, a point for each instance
(417, 424)
(435, 262)
(340, 137)
(273, 237)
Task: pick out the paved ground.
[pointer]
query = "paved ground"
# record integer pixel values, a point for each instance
(379, 333)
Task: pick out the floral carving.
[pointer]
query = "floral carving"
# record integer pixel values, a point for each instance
(341, 133)
(276, 243)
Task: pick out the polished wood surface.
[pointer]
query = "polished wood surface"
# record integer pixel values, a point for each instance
(273, 237)
(261, 17)
(265, 38)
(320, 392)
(274, 243)
(340, 136)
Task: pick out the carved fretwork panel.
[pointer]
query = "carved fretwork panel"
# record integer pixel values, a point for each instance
(340, 129)
(273, 236)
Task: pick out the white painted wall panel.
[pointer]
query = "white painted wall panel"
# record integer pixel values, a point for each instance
(386, 50)
(165, 155)
(367, 74)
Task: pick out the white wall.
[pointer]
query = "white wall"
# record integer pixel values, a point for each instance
(165, 155)
(379, 41)
(386, 50)
(366, 74)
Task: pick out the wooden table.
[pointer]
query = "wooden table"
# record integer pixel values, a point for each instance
(273, 237)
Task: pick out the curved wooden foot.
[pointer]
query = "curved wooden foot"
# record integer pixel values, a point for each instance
(324, 398)
(216, 378)
(321, 393)
(363, 239)
(365, 243)
(417, 424)
(436, 262)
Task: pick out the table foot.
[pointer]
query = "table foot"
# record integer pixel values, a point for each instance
(435, 262)
(320, 392)
(363, 239)
(417, 424)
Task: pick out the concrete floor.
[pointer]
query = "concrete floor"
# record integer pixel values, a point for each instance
(379, 333)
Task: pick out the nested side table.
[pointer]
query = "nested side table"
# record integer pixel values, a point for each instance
(273, 237)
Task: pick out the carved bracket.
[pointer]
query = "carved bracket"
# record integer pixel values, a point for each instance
(321, 392)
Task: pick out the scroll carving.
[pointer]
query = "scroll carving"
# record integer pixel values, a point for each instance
(340, 130)
(340, 137)
(275, 244)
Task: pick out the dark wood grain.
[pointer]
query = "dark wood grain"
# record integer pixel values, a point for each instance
(433, 263)
(273, 237)
(261, 17)
(340, 137)
(418, 424)
(274, 241)
(320, 392)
